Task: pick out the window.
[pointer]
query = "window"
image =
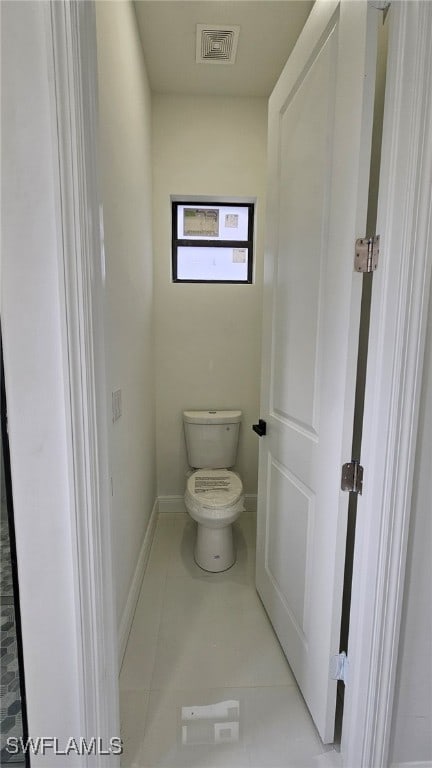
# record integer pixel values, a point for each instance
(212, 242)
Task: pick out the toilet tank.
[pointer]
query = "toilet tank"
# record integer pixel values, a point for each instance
(211, 438)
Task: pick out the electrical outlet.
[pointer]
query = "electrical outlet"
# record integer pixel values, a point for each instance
(116, 405)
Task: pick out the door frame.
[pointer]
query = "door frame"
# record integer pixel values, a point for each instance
(52, 323)
(391, 406)
(399, 309)
(71, 37)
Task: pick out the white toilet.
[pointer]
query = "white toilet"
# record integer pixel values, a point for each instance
(214, 494)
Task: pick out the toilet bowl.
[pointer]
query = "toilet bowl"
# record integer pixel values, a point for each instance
(214, 499)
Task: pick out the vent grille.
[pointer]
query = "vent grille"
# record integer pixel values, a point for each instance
(216, 43)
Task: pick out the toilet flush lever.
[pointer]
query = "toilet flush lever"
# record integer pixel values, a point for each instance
(260, 428)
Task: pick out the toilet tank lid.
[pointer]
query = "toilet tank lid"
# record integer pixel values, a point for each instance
(212, 417)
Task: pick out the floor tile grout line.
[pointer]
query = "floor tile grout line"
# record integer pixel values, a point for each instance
(219, 687)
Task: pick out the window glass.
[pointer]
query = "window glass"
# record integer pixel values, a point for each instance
(212, 242)
(212, 264)
(212, 222)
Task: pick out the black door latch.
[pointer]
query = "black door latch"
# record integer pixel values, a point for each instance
(260, 428)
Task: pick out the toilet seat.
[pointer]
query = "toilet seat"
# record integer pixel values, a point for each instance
(214, 489)
(214, 499)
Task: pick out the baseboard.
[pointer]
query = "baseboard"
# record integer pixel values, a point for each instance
(421, 764)
(171, 504)
(176, 503)
(129, 610)
(251, 502)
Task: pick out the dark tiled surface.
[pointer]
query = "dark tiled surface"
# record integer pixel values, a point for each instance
(10, 700)
(6, 585)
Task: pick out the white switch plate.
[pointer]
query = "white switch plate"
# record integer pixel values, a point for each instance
(116, 405)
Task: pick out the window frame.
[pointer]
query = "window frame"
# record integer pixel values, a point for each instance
(176, 241)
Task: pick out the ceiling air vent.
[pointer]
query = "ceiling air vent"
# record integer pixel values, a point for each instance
(216, 43)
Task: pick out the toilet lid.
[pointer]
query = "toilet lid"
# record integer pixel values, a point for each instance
(215, 487)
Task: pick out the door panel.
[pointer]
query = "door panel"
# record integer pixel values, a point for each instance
(288, 541)
(320, 123)
(305, 134)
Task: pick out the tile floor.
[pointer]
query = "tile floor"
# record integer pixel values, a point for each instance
(204, 682)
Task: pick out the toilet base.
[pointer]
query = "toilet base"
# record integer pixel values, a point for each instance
(214, 548)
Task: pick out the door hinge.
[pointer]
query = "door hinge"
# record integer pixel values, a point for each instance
(339, 667)
(366, 254)
(352, 477)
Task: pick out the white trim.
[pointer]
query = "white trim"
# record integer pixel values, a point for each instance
(71, 32)
(132, 599)
(176, 503)
(250, 502)
(425, 764)
(172, 503)
(395, 361)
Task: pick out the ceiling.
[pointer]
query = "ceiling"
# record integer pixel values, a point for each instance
(268, 31)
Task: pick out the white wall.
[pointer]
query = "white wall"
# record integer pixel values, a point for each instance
(208, 337)
(125, 158)
(411, 739)
(32, 307)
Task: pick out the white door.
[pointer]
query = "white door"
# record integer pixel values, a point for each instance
(320, 125)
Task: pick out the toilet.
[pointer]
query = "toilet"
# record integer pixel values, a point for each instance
(214, 494)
